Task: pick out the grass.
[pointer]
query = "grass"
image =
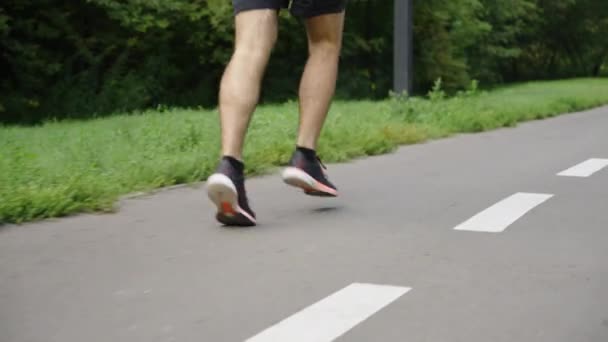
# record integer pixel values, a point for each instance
(61, 168)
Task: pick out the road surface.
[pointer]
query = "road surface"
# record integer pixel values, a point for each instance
(499, 236)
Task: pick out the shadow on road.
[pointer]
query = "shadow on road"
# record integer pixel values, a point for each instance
(325, 210)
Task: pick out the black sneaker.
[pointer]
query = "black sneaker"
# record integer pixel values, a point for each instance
(307, 172)
(226, 188)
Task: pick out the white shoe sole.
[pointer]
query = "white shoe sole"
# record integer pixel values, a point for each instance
(222, 192)
(300, 179)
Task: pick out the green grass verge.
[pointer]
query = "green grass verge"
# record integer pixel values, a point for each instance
(61, 168)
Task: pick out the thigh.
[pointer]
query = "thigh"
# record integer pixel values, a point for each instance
(313, 8)
(247, 5)
(256, 31)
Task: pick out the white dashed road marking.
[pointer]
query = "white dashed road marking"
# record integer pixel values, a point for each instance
(501, 215)
(333, 316)
(586, 168)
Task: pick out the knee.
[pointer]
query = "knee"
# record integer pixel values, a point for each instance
(325, 48)
(255, 49)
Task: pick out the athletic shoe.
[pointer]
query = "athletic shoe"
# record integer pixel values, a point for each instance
(307, 172)
(226, 189)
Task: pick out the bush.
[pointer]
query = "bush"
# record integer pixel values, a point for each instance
(62, 59)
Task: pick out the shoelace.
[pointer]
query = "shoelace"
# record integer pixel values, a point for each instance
(320, 162)
(323, 168)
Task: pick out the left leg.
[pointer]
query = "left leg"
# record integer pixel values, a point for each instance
(256, 33)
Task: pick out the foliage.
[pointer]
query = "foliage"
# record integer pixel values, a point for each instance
(77, 59)
(60, 168)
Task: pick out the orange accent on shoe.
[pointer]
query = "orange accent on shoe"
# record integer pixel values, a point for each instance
(325, 188)
(227, 209)
(318, 186)
(308, 189)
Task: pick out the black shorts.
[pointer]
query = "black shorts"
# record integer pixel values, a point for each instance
(299, 8)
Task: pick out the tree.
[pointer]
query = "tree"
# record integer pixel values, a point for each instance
(78, 59)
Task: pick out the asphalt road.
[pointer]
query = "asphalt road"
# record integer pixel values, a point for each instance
(162, 270)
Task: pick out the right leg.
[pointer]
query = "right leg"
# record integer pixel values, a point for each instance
(319, 79)
(256, 33)
(317, 87)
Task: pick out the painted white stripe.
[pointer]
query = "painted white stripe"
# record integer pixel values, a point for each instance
(501, 215)
(333, 316)
(586, 168)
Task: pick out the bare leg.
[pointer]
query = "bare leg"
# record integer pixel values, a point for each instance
(319, 79)
(256, 34)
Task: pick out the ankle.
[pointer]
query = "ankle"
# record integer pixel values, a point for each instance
(307, 152)
(235, 163)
